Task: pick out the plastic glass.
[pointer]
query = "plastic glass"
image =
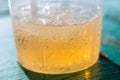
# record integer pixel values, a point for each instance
(56, 36)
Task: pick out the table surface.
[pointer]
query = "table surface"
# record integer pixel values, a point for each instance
(103, 70)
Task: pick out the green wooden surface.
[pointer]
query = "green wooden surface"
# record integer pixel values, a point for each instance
(103, 70)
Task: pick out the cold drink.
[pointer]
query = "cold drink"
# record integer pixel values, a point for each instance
(57, 44)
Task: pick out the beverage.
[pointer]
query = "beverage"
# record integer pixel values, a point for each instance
(57, 45)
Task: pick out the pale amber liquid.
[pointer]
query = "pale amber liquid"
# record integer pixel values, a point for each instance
(57, 49)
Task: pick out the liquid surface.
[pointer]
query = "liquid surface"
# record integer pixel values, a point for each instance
(58, 44)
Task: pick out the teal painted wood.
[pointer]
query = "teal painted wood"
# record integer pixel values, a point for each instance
(111, 30)
(9, 69)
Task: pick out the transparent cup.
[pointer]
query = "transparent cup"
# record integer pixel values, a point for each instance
(56, 36)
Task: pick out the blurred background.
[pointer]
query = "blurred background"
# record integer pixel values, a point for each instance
(110, 47)
(4, 7)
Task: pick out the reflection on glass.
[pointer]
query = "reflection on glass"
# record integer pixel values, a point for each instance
(87, 74)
